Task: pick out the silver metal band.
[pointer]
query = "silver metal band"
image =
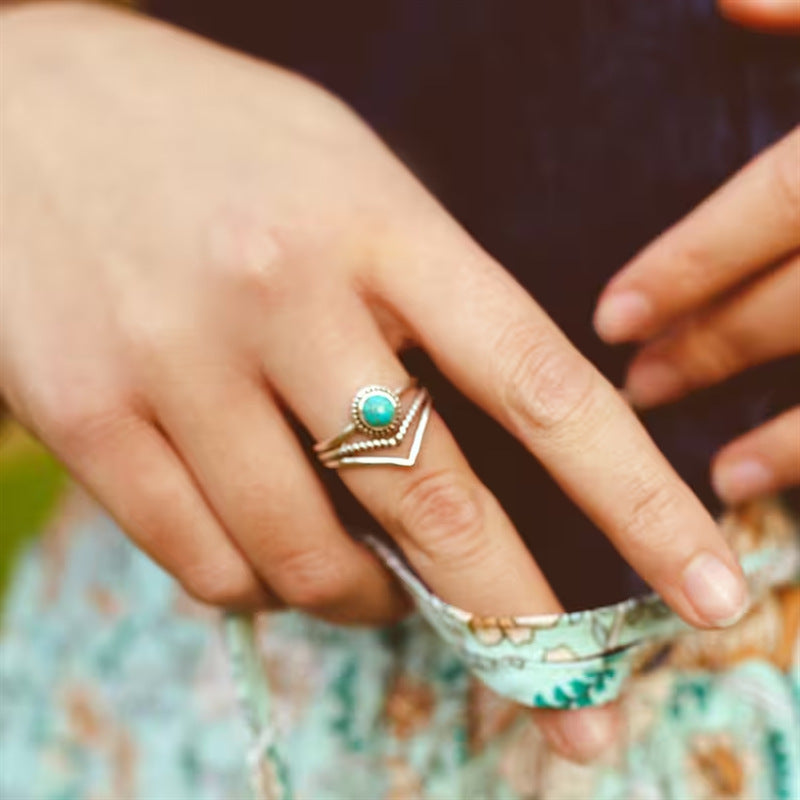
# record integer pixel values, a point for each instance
(378, 424)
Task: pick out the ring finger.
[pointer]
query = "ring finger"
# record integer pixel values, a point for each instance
(450, 527)
(246, 458)
(448, 524)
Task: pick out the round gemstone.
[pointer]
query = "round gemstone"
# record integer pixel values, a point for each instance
(378, 410)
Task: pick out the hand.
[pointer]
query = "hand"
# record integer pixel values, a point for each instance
(194, 241)
(778, 16)
(718, 293)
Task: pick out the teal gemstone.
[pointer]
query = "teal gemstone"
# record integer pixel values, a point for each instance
(378, 410)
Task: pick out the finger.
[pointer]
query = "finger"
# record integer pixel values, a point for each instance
(760, 462)
(767, 15)
(448, 524)
(498, 346)
(583, 734)
(451, 529)
(757, 325)
(134, 473)
(748, 224)
(263, 488)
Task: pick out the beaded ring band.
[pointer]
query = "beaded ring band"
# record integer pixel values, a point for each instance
(378, 422)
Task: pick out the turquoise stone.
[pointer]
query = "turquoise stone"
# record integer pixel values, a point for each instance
(377, 411)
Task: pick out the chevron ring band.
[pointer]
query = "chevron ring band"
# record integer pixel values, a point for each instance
(381, 422)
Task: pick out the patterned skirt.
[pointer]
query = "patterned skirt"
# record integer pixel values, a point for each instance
(116, 685)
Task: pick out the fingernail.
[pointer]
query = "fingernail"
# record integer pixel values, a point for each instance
(739, 480)
(582, 734)
(718, 595)
(653, 381)
(621, 316)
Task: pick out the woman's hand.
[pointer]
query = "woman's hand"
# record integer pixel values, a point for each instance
(195, 242)
(716, 294)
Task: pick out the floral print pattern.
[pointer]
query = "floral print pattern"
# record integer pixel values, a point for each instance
(115, 685)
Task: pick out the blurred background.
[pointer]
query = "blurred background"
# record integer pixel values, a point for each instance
(30, 483)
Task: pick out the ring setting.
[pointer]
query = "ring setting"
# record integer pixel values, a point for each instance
(376, 411)
(379, 422)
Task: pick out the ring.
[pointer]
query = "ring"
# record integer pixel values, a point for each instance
(378, 421)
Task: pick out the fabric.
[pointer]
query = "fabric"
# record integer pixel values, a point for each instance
(575, 659)
(115, 685)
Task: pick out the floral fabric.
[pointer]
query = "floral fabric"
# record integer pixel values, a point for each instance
(116, 685)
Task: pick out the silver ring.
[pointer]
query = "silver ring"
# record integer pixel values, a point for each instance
(379, 421)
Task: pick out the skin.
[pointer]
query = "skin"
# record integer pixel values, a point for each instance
(712, 297)
(196, 243)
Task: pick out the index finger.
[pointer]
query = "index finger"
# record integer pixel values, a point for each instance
(745, 226)
(489, 336)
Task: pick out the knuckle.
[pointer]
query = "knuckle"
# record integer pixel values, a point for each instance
(652, 521)
(159, 349)
(152, 335)
(250, 254)
(441, 515)
(221, 585)
(544, 384)
(310, 579)
(74, 420)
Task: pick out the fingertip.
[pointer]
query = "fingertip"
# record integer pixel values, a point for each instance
(716, 591)
(760, 462)
(621, 315)
(581, 735)
(736, 479)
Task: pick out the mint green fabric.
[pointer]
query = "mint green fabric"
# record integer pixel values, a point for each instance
(569, 660)
(116, 685)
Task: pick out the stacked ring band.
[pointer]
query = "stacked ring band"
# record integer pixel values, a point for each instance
(379, 422)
